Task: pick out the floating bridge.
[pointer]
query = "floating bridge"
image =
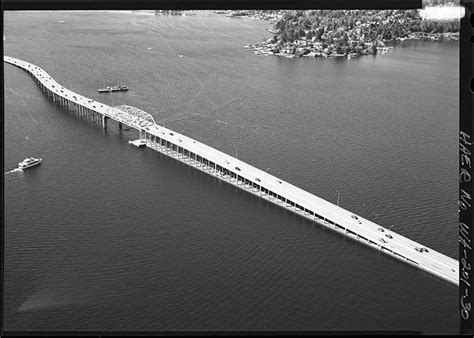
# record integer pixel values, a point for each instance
(245, 176)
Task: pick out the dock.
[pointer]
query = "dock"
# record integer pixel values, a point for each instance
(247, 177)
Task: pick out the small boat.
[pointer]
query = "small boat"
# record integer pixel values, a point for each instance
(109, 89)
(119, 88)
(29, 162)
(104, 90)
(138, 143)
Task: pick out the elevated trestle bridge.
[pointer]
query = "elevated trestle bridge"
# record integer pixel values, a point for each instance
(247, 177)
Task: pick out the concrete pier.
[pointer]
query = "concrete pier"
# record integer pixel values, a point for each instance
(245, 176)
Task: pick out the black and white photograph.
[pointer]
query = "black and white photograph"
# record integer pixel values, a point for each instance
(232, 170)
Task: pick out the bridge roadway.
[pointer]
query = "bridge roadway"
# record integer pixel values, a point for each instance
(249, 178)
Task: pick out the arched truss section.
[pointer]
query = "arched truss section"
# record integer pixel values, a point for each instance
(135, 112)
(114, 112)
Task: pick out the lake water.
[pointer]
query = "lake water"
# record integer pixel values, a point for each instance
(105, 236)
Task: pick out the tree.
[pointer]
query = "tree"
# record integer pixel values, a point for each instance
(307, 23)
(438, 29)
(319, 32)
(374, 47)
(341, 47)
(345, 38)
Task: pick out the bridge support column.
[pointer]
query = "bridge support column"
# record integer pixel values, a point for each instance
(120, 125)
(104, 121)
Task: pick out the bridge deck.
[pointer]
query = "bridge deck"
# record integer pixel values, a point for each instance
(318, 209)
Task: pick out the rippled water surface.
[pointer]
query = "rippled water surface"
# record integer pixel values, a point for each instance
(105, 236)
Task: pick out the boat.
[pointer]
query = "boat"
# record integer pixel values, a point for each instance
(138, 143)
(29, 162)
(109, 89)
(119, 88)
(104, 90)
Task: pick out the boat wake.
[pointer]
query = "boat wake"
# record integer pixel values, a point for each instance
(48, 300)
(14, 171)
(223, 122)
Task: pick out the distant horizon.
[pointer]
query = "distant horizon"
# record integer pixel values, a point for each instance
(440, 12)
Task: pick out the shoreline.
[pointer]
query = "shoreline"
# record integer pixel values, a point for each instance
(296, 50)
(315, 48)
